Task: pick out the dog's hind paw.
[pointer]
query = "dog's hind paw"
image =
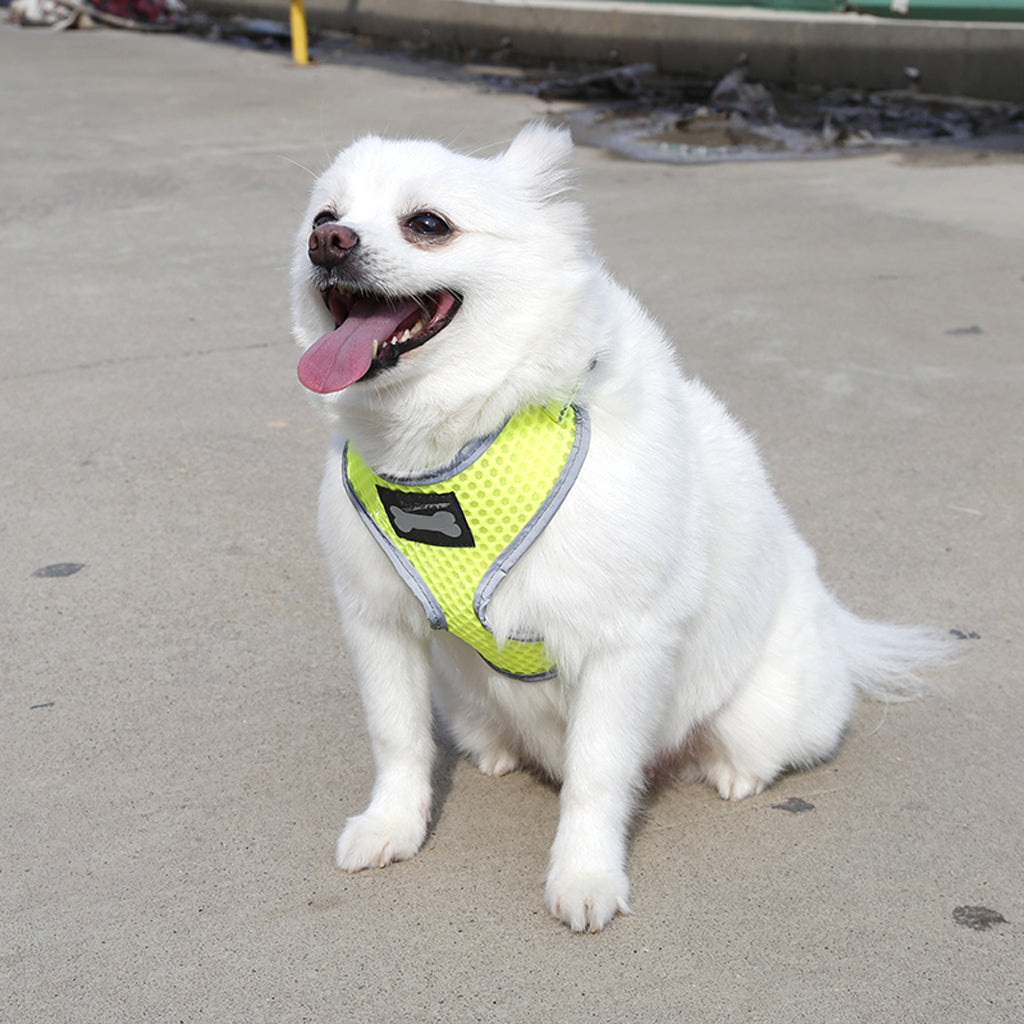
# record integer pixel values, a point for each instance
(497, 762)
(369, 841)
(731, 782)
(587, 901)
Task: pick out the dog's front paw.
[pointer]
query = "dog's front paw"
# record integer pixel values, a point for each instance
(373, 841)
(586, 901)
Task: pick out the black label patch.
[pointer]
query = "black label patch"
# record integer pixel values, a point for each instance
(427, 518)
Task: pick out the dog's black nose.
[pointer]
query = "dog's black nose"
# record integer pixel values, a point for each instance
(330, 244)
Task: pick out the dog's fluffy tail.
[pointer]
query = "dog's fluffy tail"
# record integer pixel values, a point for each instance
(885, 660)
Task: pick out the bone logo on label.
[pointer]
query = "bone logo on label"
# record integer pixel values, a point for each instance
(436, 522)
(431, 517)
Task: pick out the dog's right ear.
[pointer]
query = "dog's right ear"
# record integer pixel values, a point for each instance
(538, 160)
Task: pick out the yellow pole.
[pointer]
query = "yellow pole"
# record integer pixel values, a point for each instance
(300, 44)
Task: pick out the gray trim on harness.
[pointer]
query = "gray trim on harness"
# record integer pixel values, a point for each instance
(536, 677)
(500, 567)
(404, 568)
(466, 456)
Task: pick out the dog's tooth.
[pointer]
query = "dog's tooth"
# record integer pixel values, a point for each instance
(376, 346)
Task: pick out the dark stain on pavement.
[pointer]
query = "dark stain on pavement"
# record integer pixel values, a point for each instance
(978, 918)
(794, 805)
(58, 569)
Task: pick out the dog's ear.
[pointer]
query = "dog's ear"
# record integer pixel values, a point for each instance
(538, 160)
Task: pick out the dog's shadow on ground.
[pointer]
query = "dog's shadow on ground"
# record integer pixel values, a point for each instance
(446, 763)
(443, 777)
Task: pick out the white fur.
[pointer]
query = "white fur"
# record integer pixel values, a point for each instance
(684, 611)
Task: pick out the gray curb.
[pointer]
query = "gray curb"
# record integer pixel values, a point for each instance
(983, 60)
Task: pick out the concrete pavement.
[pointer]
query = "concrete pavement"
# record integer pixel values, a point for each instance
(180, 739)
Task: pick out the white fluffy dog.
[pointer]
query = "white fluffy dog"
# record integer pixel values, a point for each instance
(438, 296)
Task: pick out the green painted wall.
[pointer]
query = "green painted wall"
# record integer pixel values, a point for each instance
(939, 10)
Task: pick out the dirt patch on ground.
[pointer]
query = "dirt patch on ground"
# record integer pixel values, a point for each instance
(640, 114)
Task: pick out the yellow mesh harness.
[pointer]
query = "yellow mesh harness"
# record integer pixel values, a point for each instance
(454, 533)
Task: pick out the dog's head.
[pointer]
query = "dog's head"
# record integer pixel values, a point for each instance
(414, 261)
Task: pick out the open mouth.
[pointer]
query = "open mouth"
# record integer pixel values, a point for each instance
(371, 334)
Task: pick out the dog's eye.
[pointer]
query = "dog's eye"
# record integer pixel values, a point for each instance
(324, 217)
(429, 224)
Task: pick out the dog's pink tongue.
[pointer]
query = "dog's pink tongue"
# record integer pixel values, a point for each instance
(344, 355)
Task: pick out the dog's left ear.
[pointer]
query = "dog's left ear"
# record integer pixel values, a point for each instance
(538, 159)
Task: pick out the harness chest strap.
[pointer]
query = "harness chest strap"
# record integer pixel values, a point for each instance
(454, 533)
